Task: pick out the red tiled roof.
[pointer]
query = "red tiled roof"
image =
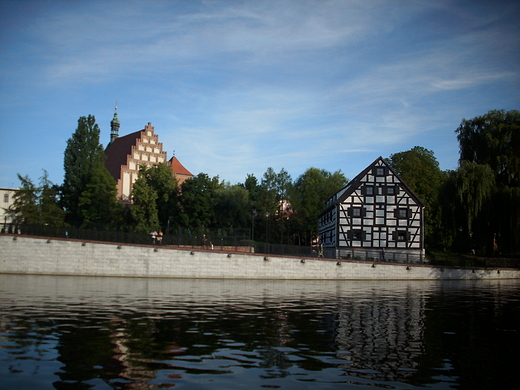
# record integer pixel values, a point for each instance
(118, 151)
(178, 168)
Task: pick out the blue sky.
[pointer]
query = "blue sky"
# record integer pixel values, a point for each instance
(235, 87)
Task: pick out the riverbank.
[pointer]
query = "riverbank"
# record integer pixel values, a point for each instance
(42, 256)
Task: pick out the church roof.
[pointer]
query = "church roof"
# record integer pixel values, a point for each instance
(178, 168)
(117, 152)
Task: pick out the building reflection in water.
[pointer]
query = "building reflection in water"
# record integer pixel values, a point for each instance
(156, 333)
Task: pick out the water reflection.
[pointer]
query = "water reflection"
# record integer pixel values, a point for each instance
(120, 333)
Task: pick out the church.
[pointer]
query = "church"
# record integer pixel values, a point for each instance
(125, 154)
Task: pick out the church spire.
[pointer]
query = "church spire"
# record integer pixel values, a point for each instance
(114, 126)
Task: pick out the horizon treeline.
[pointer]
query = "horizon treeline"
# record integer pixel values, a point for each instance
(473, 209)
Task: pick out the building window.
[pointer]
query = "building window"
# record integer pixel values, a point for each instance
(401, 235)
(392, 190)
(379, 171)
(403, 213)
(356, 212)
(368, 190)
(6, 198)
(356, 235)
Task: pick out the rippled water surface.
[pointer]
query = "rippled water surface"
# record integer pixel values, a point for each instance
(121, 333)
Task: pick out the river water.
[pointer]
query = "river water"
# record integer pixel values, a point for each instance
(124, 333)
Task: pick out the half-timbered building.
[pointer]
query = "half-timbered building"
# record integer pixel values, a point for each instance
(375, 217)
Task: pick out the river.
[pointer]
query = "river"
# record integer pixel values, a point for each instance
(61, 332)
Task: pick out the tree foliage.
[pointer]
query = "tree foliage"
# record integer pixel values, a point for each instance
(308, 197)
(98, 202)
(144, 207)
(198, 201)
(419, 169)
(493, 139)
(83, 155)
(160, 178)
(232, 206)
(36, 204)
(483, 194)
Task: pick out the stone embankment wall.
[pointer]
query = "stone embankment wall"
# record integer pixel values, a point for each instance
(42, 256)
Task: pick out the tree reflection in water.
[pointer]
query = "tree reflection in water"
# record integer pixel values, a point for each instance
(82, 333)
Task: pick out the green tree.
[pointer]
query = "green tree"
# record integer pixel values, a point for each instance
(253, 188)
(162, 180)
(98, 202)
(491, 143)
(467, 192)
(83, 155)
(25, 203)
(309, 195)
(35, 205)
(232, 206)
(197, 200)
(50, 210)
(493, 139)
(144, 206)
(273, 202)
(420, 170)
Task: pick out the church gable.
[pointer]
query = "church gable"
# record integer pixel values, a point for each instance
(125, 155)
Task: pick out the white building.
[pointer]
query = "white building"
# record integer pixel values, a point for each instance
(6, 199)
(375, 217)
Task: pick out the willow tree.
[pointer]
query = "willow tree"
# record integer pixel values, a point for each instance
(492, 211)
(493, 139)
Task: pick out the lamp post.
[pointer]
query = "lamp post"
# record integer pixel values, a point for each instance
(267, 231)
(253, 225)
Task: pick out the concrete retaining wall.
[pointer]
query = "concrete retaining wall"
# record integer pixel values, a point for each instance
(30, 255)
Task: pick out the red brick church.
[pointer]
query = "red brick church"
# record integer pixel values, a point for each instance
(125, 154)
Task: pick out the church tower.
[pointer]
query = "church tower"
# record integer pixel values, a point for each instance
(114, 127)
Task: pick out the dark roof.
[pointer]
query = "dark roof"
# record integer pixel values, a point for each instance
(356, 182)
(117, 152)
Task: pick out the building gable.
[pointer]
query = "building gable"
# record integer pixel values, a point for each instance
(376, 210)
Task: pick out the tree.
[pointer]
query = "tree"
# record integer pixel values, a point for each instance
(467, 192)
(36, 205)
(144, 198)
(50, 211)
(161, 179)
(83, 155)
(309, 196)
(493, 139)
(25, 203)
(197, 201)
(489, 149)
(419, 169)
(98, 202)
(232, 206)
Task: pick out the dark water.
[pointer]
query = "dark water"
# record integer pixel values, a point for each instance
(117, 333)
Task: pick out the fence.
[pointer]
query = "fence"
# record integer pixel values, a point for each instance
(379, 255)
(201, 238)
(240, 240)
(456, 260)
